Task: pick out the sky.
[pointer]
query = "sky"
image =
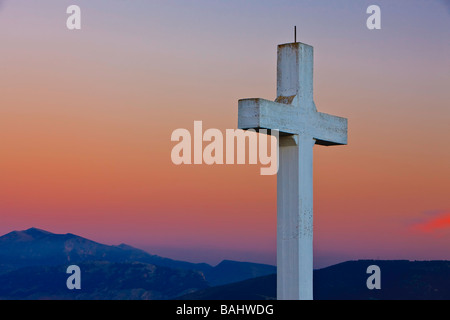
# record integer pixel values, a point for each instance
(86, 118)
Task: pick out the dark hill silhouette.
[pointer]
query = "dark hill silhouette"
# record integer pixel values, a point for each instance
(101, 281)
(260, 288)
(233, 271)
(33, 265)
(400, 280)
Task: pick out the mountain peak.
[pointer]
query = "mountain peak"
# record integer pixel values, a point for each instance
(34, 231)
(28, 235)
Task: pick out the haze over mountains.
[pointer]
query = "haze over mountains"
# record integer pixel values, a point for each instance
(33, 265)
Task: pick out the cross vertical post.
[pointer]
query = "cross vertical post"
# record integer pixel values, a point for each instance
(294, 180)
(301, 126)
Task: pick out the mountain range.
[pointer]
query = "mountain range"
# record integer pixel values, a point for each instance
(400, 280)
(33, 265)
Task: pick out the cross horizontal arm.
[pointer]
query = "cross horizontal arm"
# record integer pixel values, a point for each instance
(258, 113)
(329, 130)
(265, 114)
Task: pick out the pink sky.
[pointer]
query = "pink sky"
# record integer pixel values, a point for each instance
(86, 119)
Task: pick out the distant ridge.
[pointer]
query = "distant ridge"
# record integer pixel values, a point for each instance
(400, 280)
(33, 264)
(101, 280)
(37, 247)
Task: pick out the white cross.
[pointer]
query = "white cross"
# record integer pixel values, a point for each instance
(301, 126)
